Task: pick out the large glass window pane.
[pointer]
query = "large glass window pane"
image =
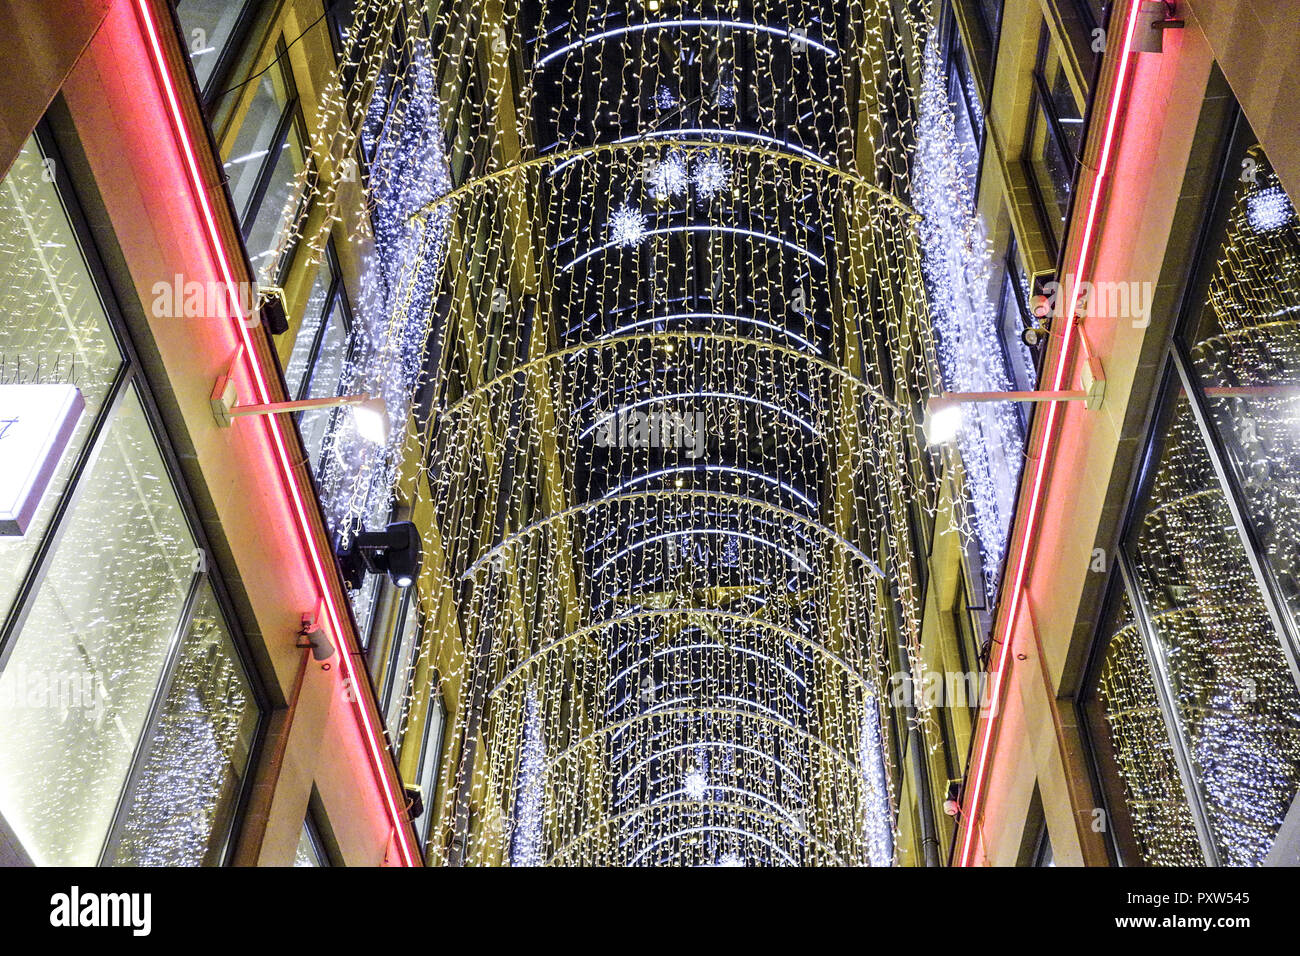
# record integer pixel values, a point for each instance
(397, 684)
(1052, 168)
(309, 851)
(1012, 322)
(208, 26)
(1236, 703)
(431, 761)
(183, 802)
(326, 375)
(967, 122)
(90, 654)
(304, 343)
(277, 207)
(1055, 134)
(256, 138)
(1135, 755)
(54, 331)
(990, 12)
(1244, 343)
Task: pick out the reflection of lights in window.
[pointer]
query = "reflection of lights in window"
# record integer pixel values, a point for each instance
(803, 39)
(730, 859)
(664, 98)
(247, 158)
(1268, 209)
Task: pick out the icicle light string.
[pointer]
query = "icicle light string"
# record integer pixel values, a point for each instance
(692, 671)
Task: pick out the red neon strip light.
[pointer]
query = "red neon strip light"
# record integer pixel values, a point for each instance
(979, 767)
(370, 733)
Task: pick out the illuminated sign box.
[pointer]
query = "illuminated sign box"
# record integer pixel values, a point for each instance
(36, 424)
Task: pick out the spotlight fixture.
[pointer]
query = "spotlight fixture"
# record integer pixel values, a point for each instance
(312, 634)
(1033, 335)
(370, 412)
(942, 421)
(395, 551)
(271, 309)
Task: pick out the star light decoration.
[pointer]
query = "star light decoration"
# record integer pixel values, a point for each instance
(627, 226)
(670, 176)
(1269, 209)
(711, 175)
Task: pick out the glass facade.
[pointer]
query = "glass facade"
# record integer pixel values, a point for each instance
(1054, 136)
(431, 751)
(181, 809)
(1209, 554)
(210, 27)
(1244, 345)
(310, 850)
(113, 649)
(1139, 767)
(56, 332)
(266, 160)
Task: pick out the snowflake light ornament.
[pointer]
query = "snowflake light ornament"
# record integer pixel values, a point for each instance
(712, 175)
(627, 226)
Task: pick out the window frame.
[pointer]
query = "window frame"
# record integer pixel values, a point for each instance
(431, 760)
(131, 376)
(214, 87)
(1042, 108)
(290, 121)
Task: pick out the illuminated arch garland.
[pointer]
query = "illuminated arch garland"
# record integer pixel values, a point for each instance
(657, 653)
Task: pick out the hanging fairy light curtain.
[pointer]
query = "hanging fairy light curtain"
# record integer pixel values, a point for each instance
(676, 324)
(956, 259)
(380, 137)
(675, 459)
